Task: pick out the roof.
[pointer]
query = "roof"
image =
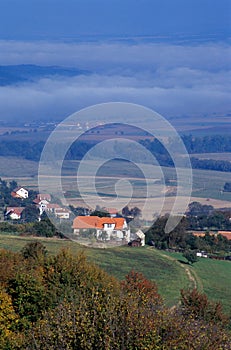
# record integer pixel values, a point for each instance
(53, 206)
(227, 234)
(111, 210)
(62, 210)
(15, 210)
(199, 233)
(19, 188)
(14, 193)
(97, 222)
(42, 196)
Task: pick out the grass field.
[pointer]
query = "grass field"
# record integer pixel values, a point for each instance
(213, 277)
(210, 276)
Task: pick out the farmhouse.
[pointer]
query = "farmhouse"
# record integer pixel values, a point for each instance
(105, 228)
(14, 213)
(19, 192)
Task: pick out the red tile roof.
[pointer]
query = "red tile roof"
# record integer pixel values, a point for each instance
(227, 234)
(53, 206)
(96, 222)
(16, 210)
(111, 210)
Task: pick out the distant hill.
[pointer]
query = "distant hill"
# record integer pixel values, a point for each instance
(14, 74)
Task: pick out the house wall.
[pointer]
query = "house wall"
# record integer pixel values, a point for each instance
(62, 215)
(14, 216)
(22, 193)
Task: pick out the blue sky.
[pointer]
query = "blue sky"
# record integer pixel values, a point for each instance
(185, 72)
(55, 19)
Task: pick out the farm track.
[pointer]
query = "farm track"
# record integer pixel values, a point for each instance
(193, 278)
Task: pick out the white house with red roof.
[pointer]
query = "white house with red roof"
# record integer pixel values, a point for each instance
(19, 192)
(105, 228)
(14, 213)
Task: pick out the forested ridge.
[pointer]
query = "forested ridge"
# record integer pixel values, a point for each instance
(31, 150)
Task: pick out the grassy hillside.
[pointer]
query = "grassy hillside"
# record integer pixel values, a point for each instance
(213, 277)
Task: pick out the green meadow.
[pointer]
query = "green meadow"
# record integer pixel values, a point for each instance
(168, 270)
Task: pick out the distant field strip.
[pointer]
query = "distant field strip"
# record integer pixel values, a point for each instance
(215, 156)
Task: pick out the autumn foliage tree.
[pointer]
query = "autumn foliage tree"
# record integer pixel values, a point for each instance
(64, 302)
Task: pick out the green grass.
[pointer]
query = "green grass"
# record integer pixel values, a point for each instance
(169, 276)
(166, 273)
(216, 278)
(212, 276)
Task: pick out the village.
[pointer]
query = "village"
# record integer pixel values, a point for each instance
(108, 227)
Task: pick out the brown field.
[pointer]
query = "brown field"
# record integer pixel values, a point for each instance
(153, 204)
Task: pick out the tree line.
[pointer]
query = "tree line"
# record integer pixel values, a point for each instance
(199, 218)
(63, 301)
(204, 144)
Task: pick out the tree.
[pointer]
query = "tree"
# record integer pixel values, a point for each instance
(13, 184)
(34, 250)
(227, 187)
(198, 209)
(125, 211)
(198, 305)
(8, 323)
(190, 256)
(30, 214)
(44, 228)
(100, 213)
(136, 212)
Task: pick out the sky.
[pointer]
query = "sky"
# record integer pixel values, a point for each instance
(46, 19)
(172, 56)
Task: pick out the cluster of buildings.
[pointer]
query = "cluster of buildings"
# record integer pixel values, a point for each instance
(42, 202)
(108, 228)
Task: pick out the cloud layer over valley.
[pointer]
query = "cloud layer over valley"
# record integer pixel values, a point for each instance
(175, 80)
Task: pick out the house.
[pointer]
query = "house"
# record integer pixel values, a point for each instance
(140, 234)
(201, 254)
(105, 228)
(226, 234)
(62, 213)
(19, 192)
(51, 207)
(112, 211)
(14, 213)
(42, 206)
(43, 197)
